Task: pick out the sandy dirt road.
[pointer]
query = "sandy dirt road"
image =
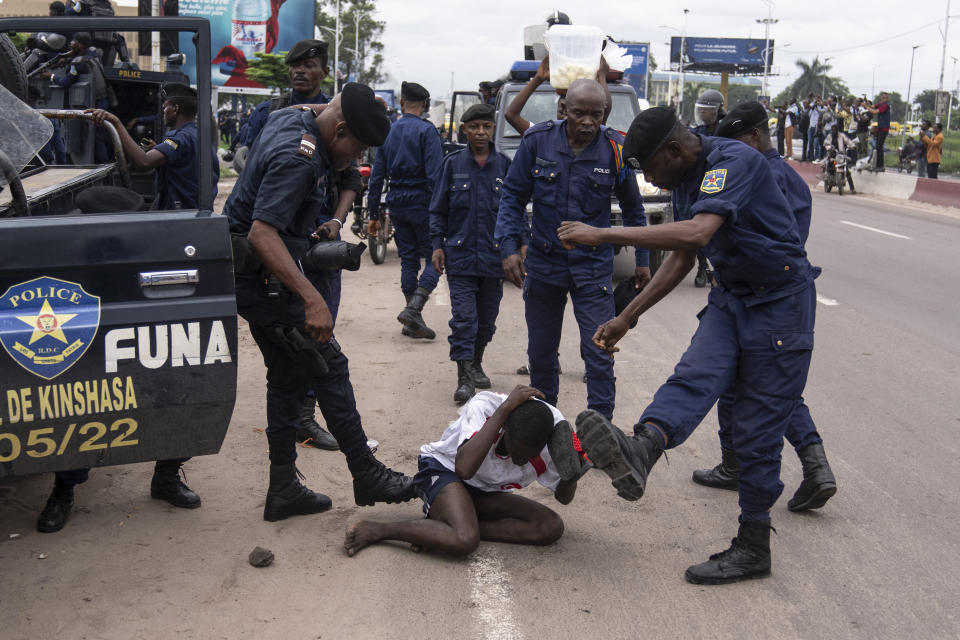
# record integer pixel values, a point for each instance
(879, 561)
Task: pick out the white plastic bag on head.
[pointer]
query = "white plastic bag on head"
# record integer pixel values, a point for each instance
(618, 58)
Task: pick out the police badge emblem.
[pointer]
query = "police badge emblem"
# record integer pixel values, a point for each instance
(713, 181)
(47, 324)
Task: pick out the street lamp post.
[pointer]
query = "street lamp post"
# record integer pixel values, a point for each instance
(823, 82)
(950, 100)
(906, 115)
(766, 22)
(683, 43)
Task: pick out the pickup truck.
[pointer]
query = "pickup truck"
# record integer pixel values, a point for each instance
(542, 106)
(118, 330)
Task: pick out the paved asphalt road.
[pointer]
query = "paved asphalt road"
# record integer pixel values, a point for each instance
(881, 560)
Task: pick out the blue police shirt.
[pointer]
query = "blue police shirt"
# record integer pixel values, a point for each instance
(757, 252)
(284, 183)
(177, 181)
(76, 68)
(410, 159)
(794, 189)
(565, 186)
(258, 118)
(463, 213)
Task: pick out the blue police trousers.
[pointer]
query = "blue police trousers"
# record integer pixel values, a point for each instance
(762, 353)
(413, 244)
(801, 431)
(287, 384)
(475, 304)
(592, 306)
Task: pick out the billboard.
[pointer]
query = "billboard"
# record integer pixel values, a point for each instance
(733, 55)
(636, 74)
(241, 28)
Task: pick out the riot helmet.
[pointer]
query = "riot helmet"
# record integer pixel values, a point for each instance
(709, 108)
(557, 17)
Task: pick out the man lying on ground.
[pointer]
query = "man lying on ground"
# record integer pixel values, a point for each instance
(499, 443)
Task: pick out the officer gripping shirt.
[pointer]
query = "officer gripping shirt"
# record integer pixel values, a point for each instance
(566, 183)
(409, 161)
(755, 335)
(463, 216)
(272, 212)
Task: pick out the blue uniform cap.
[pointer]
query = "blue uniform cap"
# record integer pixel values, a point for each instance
(365, 116)
(648, 132)
(742, 118)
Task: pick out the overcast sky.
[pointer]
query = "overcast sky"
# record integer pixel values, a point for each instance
(427, 39)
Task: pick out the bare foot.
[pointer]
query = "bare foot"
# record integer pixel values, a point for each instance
(359, 535)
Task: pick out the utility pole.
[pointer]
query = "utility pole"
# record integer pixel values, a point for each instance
(906, 116)
(823, 81)
(766, 22)
(683, 46)
(950, 102)
(943, 57)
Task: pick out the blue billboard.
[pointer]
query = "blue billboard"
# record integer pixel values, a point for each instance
(636, 74)
(241, 28)
(734, 55)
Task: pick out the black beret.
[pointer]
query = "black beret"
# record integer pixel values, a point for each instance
(623, 295)
(178, 90)
(366, 117)
(306, 49)
(479, 112)
(108, 199)
(742, 118)
(647, 134)
(413, 92)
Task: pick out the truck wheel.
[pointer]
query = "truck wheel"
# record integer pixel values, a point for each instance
(378, 250)
(12, 76)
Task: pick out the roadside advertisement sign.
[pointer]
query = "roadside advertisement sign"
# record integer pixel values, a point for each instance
(241, 28)
(735, 55)
(637, 73)
(942, 104)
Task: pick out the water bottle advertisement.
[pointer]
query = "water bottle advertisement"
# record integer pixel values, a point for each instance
(241, 28)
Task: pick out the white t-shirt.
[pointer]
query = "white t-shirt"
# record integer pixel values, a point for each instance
(495, 473)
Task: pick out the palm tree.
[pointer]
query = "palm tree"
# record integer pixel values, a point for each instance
(813, 79)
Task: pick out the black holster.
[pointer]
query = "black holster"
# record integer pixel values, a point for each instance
(245, 259)
(311, 356)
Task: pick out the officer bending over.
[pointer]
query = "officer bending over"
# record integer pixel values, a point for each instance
(569, 168)
(176, 158)
(747, 123)
(273, 206)
(463, 215)
(755, 335)
(410, 161)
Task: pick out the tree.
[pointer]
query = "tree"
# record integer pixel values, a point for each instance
(361, 57)
(813, 79)
(269, 69)
(927, 100)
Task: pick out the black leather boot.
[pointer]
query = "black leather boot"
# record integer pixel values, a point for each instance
(480, 379)
(465, 382)
(748, 557)
(166, 485)
(627, 460)
(411, 317)
(725, 475)
(309, 431)
(57, 510)
(374, 482)
(818, 484)
(287, 497)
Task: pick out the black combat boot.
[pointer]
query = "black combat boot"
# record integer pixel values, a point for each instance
(166, 485)
(287, 497)
(725, 475)
(309, 431)
(748, 557)
(465, 382)
(480, 379)
(700, 280)
(818, 484)
(57, 510)
(374, 482)
(626, 460)
(411, 318)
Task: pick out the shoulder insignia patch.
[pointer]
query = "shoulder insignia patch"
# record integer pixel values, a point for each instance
(713, 181)
(308, 145)
(170, 141)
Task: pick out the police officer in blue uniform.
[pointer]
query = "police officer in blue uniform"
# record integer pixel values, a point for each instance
(307, 61)
(176, 158)
(755, 334)
(272, 212)
(569, 168)
(409, 161)
(463, 215)
(708, 110)
(747, 123)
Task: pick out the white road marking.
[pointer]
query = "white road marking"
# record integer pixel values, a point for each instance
(829, 302)
(491, 590)
(441, 295)
(874, 229)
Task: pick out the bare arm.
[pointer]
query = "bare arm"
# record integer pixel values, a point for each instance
(273, 253)
(687, 234)
(565, 491)
(142, 159)
(512, 113)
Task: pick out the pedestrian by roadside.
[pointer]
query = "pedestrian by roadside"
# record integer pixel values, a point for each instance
(815, 137)
(804, 127)
(781, 127)
(934, 145)
(863, 117)
(882, 111)
(921, 150)
(791, 122)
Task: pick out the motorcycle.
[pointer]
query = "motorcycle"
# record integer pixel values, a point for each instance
(834, 169)
(361, 216)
